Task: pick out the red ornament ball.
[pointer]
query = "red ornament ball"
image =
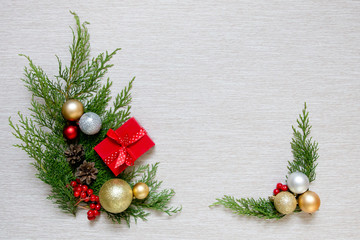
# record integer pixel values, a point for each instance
(276, 191)
(70, 132)
(284, 188)
(278, 186)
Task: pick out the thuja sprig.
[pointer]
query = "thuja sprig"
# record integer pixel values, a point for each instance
(304, 149)
(305, 152)
(261, 208)
(41, 133)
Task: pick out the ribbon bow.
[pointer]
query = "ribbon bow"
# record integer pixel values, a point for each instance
(122, 155)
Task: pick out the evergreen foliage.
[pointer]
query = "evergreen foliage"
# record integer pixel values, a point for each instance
(41, 133)
(304, 149)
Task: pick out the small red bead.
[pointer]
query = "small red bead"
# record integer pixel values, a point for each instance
(96, 213)
(80, 185)
(90, 191)
(78, 180)
(73, 183)
(284, 188)
(92, 205)
(77, 189)
(97, 199)
(84, 188)
(278, 186)
(93, 198)
(276, 191)
(87, 199)
(91, 218)
(90, 213)
(76, 194)
(83, 195)
(98, 207)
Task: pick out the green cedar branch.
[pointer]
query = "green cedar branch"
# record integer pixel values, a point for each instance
(304, 148)
(261, 208)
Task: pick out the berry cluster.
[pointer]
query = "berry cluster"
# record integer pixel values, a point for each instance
(85, 194)
(280, 187)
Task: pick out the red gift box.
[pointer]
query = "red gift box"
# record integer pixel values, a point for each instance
(123, 146)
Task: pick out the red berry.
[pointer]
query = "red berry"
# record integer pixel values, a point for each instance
(276, 191)
(73, 183)
(83, 195)
(77, 189)
(90, 213)
(84, 188)
(278, 186)
(80, 185)
(92, 205)
(93, 198)
(91, 218)
(78, 180)
(284, 188)
(98, 207)
(97, 198)
(90, 191)
(76, 194)
(87, 199)
(96, 213)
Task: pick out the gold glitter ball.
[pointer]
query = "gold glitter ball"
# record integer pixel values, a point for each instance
(285, 202)
(115, 195)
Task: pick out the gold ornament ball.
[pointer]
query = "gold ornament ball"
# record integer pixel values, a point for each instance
(140, 190)
(115, 195)
(309, 202)
(72, 110)
(285, 202)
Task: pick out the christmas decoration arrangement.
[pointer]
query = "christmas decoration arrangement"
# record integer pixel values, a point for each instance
(294, 196)
(84, 150)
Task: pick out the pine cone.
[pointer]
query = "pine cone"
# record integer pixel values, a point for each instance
(86, 172)
(75, 154)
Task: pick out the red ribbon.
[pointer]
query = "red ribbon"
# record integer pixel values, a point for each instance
(122, 154)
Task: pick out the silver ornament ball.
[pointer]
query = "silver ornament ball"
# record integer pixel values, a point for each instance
(90, 123)
(298, 182)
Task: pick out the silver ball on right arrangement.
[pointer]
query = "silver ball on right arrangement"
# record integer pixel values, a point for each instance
(298, 182)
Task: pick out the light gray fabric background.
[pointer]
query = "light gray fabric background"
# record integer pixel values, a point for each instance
(219, 84)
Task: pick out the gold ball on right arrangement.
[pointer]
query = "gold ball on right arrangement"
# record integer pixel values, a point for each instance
(309, 202)
(140, 190)
(285, 202)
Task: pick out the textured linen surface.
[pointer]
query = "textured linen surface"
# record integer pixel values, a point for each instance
(218, 86)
